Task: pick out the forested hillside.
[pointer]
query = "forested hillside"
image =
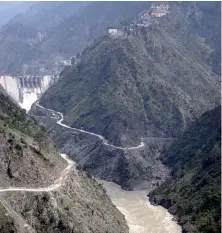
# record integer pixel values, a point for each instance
(193, 194)
(148, 81)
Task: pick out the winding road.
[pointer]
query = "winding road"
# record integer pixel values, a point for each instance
(105, 141)
(63, 177)
(58, 183)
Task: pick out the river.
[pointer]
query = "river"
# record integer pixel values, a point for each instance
(141, 216)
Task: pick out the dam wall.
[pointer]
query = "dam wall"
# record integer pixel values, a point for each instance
(11, 85)
(25, 90)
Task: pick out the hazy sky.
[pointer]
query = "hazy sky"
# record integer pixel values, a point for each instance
(10, 9)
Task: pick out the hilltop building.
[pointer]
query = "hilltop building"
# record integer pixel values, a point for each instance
(114, 32)
(159, 9)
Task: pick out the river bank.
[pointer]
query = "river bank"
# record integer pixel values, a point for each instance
(141, 216)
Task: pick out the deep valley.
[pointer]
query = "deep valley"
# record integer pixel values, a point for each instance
(110, 117)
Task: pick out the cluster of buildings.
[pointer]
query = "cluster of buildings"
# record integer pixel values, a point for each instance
(123, 32)
(159, 9)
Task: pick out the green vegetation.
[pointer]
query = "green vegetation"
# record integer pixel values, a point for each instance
(208, 26)
(148, 83)
(67, 29)
(29, 159)
(17, 118)
(194, 192)
(21, 136)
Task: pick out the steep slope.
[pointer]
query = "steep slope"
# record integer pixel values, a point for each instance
(143, 83)
(204, 18)
(6, 222)
(27, 155)
(194, 192)
(198, 24)
(128, 167)
(29, 161)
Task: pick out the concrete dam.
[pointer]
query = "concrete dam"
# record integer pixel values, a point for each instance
(25, 90)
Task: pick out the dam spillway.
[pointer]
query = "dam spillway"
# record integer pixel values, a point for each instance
(25, 90)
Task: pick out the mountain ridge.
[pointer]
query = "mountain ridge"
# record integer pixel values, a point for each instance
(100, 74)
(52, 22)
(140, 81)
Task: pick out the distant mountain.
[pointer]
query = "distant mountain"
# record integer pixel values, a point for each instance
(148, 81)
(10, 9)
(18, 46)
(21, 37)
(45, 15)
(79, 30)
(63, 29)
(29, 159)
(193, 194)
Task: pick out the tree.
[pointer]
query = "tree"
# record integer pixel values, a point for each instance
(40, 137)
(73, 61)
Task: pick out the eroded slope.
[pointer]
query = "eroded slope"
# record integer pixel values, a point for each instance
(29, 159)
